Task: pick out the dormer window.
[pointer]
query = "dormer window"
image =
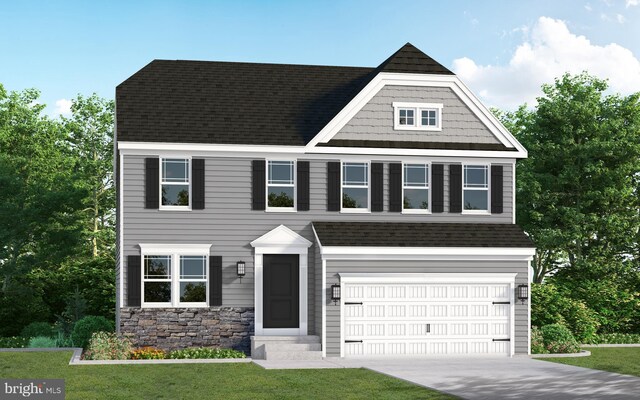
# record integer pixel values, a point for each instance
(417, 116)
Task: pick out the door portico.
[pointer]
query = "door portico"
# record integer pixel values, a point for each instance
(280, 241)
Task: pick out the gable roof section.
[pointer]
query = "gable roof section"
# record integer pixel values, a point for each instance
(233, 103)
(410, 60)
(245, 103)
(411, 234)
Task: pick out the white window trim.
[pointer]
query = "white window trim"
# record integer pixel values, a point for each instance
(417, 120)
(189, 171)
(415, 210)
(356, 210)
(295, 187)
(487, 189)
(175, 251)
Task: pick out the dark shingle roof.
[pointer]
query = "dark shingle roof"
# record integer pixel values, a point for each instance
(410, 59)
(244, 103)
(420, 234)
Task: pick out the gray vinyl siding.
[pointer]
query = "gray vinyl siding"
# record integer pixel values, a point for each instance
(375, 120)
(370, 266)
(229, 224)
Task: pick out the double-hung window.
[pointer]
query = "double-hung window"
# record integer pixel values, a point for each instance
(157, 280)
(417, 116)
(475, 196)
(355, 186)
(174, 183)
(174, 278)
(193, 279)
(281, 185)
(416, 188)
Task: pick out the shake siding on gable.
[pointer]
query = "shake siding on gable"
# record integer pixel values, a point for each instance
(369, 266)
(229, 224)
(375, 120)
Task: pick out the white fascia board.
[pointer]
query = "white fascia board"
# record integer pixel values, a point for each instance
(182, 249)
(426, 253)
(208, 147)
(316, 153)
(401, 79)
(452, 277)
(417, 152)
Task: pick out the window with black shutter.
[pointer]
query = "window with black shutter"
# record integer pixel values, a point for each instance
(395, 187)
(258, 198)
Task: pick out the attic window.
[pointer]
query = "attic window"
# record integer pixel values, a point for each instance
(417, 116)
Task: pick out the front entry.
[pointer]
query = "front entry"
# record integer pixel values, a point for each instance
(281, 291)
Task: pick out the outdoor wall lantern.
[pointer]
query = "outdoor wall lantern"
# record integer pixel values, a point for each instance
(241, 269)
(335, 293)
(522, 292)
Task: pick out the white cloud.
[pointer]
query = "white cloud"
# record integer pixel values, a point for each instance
(632, 3)
(548, 51)
(588, 7)
(620, 18)
(63, 107)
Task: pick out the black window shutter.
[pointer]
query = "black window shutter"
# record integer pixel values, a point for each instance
(395, 187)
(303, 185)
(377, 189)
(152, 183)
(258, 185)
(437, 185)
(197, 185)
(333, 186)
(496, 189)
(215, 280)
(134, 284)
(455, 188)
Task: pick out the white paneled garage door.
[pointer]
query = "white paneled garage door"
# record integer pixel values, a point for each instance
(422, 319)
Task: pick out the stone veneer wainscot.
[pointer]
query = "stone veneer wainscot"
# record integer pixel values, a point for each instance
(179, 328)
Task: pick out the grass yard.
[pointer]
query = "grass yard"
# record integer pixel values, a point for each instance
(223, 381)
(623, 360)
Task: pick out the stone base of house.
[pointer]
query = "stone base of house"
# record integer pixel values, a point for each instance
(179, 328)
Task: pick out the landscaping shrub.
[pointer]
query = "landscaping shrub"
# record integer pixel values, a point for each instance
(107, 346)
(37, 329)
(148, 353)
(559, 339)
(617, 338)
(549, 306)
(42, 342)
(63, 340)
(205, 352)
(87, 326)
(537, 341)
(13, 342)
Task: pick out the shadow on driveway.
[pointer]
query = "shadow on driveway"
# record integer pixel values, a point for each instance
(505, 378)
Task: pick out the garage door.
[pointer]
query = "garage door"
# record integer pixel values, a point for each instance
(426, 319)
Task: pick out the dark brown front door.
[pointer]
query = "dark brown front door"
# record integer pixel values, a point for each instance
(281, 291)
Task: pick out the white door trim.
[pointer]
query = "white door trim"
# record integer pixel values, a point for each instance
(281, 240)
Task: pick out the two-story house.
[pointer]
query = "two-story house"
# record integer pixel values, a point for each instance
(303, 211)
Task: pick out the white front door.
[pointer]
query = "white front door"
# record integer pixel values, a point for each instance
(403, 319)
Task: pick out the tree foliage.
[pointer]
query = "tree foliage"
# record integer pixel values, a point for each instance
(577, 191)
(577, 197)
(56, 209)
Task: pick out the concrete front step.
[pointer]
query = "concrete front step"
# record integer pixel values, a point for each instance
(293, 355)
(286, 347)
(275, 346)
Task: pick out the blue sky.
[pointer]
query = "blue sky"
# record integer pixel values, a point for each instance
(502, 49)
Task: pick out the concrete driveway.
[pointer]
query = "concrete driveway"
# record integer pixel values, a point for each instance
(505, 378)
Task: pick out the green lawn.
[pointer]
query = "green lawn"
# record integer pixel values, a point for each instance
(623, 360)
(191, 381)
